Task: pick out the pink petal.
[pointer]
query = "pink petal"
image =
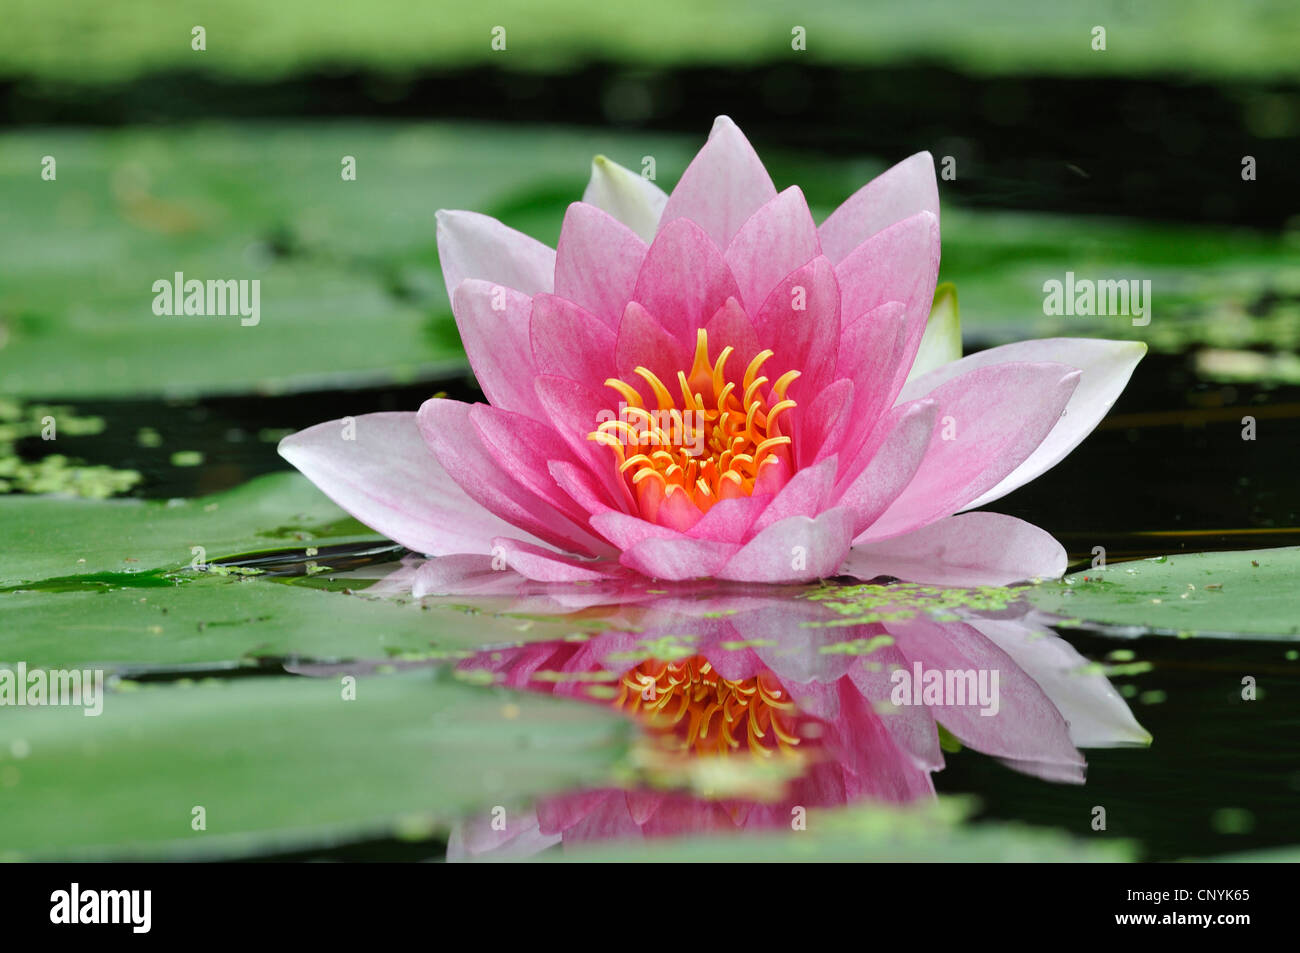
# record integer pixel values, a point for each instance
(574, 411)
(900, 263)
(451, 435)
(990, 420)
(800, 322)
(894, 458)
(796, 549)
(643, 342)
(722, 187)
(897, 193)
(729, 521)
(776, 240)
(731, 327)
(597, 261)
(970, 549)
(521, 447)
(493, 322)
(479, 837)
(556, 815)
(577, 481)
(626, 531)
(1027, 727)
(471, 245)
(870, 352)
(684, 280)
(567, 341)
(1106, 366)
(543, 565)
(1098, 717)
(461, 573)
(911, 727)
(388, 479)
(807, 494)
(821, 430)
(676, 559)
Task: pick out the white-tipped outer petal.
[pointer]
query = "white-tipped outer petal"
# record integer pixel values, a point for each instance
(632, 199)
(379, 468)
(723, 186)
(969, 549)
(897, 193)
(471, 245)
(1098, 717)
(1106, 367)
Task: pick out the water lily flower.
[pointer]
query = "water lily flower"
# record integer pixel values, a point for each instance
(762, 675)
(709, 384)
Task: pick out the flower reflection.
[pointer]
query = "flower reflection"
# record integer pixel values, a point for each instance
(816, 681)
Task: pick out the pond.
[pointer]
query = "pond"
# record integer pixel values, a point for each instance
(204, 657)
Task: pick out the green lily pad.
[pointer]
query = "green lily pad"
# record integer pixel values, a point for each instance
(930, 832)
(350, 286)
(277, 763)
(45, 537)
(218, 621)
(1253, 593)
(351, 290)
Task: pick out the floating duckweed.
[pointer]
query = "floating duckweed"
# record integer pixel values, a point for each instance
(187, 458)
(217, 569)
(474, 676)
(1127, 671)
(148, 437)
(748, 644)
(548, 675)
(668, 648)
(857, 646)
(866, 603)
(1153, 697)
(55, 473)
(414, 827)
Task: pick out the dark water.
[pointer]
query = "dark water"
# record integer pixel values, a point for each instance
(1151, 147)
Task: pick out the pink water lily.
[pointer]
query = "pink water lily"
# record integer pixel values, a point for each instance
(708, 384)
(761, 675)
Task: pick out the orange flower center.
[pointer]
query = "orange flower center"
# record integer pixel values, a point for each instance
(725, 434)
(708, 714)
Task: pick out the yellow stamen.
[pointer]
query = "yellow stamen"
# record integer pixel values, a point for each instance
(710, 446)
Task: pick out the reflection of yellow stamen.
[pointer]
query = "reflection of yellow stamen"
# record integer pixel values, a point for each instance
(689, 702)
